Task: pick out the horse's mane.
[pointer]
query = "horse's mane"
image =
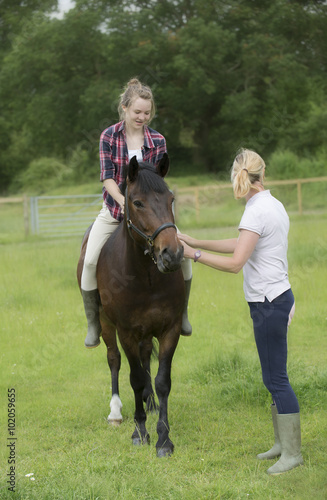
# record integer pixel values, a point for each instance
(147, 180)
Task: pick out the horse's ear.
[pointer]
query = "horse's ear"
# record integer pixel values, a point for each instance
(133, 169)
(163, 166)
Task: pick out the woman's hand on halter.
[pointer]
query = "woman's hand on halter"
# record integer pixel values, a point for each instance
(187, 243)
(185, 238)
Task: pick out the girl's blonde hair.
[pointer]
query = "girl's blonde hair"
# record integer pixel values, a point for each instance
(133, 90)
(248, 168)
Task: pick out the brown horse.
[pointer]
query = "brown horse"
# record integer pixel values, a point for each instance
(142, 294)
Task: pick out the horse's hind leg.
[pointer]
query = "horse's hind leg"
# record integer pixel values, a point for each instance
(146, 349)
(114, 360)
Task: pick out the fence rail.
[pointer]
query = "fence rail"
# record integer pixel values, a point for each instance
(71, 215)
(295, 182)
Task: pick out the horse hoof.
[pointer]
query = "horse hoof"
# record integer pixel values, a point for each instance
(115, 422)
(164, 452)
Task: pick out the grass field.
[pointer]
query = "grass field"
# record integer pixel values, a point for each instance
(218, 408)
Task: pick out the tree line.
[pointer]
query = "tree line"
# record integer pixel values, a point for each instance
(225, 74)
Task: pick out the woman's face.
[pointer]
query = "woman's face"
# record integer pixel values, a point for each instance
(138, 113)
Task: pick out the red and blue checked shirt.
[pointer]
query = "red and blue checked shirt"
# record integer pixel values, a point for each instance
(114, 157)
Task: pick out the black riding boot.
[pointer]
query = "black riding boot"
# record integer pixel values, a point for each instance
(91, 299)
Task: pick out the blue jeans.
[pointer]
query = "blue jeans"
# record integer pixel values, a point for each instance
(270, 321)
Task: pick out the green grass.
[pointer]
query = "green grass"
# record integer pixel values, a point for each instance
(218, 408)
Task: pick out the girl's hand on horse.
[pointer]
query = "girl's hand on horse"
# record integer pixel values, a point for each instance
(122, 204)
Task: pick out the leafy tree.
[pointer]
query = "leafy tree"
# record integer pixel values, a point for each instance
(15, 16)
(224, 75)
(43, 80)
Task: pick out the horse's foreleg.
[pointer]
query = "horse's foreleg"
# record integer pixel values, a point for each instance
(137, 380)
(114, 361)
(146, 348)
(164, 445)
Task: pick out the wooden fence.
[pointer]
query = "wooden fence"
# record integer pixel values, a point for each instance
(195, 190)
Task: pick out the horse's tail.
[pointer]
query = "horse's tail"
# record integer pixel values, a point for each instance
(155, 348)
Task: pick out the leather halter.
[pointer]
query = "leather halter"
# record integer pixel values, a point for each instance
(149, 239)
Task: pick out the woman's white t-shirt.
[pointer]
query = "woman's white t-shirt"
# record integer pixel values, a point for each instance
(266, 271)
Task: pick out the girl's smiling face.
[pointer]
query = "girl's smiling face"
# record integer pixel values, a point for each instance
(138, 113)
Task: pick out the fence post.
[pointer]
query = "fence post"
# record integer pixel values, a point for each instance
(34, 215)
(26, 218)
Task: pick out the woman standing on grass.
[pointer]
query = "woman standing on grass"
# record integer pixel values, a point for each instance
(261, 250)
(118, 144)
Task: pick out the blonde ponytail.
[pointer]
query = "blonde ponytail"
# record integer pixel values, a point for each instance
(248, 168)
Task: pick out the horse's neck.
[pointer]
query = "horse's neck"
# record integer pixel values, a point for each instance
(135, 256)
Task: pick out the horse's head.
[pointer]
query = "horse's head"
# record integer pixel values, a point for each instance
(149, 214)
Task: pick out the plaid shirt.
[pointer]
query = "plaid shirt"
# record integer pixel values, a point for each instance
(114, 157)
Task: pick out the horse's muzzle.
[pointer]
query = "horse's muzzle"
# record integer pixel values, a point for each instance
(169, 261)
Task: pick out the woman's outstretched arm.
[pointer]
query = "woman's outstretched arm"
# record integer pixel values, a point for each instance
(243, 249)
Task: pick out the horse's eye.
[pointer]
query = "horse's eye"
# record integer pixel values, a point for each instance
(138, 204)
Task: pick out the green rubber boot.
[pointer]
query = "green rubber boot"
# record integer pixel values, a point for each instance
(289, 430)
(91, 299)
(276, 450)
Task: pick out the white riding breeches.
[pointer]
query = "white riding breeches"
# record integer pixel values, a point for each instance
(103, 227)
